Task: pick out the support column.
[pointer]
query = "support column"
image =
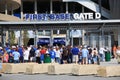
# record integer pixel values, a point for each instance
(6, 11)
(2, 36)
(67, 37)
(21, 10)
(51, 38)
(35, 37)
(21, 39)
(9, 37)
(100, 42)
(83, 31)
(83, 37)
(103, 38)
(93, 40)
(66, 7)
(109, 42)
(83, 9)
(6, 36)
(3, 39)
(51, 7)
(35, 6)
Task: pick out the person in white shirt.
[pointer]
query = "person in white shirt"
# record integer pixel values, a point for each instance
(102, 54)
(37, 54)
(118, 54)
(58, 55)
(26, 54)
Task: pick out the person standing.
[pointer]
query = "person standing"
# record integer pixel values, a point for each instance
(95, 55)
(102, 54)
(114, 51)
(26, 55)
(42, 52)
(52, 55)
(37, 54)
(85, 54)
(75, 52)
(16, 56)
(58, 55)
(20, 50)
(118, 54)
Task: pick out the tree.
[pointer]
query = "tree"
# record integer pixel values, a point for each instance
(12, 38)
(25, 37)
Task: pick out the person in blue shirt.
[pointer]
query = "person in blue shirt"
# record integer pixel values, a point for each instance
(16, 56)
(10, 51)
(52, 55)
(85, 54)
(75, 51)
(20, 50)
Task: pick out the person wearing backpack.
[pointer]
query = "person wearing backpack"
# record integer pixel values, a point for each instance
(32, 55)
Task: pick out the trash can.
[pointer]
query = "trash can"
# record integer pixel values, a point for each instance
(47, 58)
(107, 56)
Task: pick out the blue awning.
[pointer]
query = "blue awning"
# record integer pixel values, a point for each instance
(43, 41)
(59, 41)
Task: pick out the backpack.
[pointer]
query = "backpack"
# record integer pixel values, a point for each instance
(32, 52)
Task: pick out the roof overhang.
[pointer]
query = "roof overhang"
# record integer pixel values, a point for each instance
(86, 24)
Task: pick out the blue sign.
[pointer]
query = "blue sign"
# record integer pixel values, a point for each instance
(59, 40)
(44, 17)
(62, 16)
(17, 15)
(43, 41)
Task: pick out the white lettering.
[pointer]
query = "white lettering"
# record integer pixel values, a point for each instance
(90, 16)
(97, 15)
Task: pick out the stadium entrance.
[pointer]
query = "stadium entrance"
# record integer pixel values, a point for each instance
(95, 33)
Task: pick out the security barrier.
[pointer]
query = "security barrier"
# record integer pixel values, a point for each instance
(38, 68)
(60, 69)
(107, 71)
(84, 69)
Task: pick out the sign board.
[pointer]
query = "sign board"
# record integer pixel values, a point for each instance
(62, 16)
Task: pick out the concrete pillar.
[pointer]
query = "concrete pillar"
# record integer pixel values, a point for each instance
(66, 7)
(100, 42)
(21, 9)
(8, 36)
(71, 38)
(12, 13)
(51, 38)
(21, 38)
(3, 38)
(83, 10)
(35, 37)
(6, 10)
(67, 37)
(83, 37)
(93, 40)
(109, 42)
(35, 6)
(51, 7)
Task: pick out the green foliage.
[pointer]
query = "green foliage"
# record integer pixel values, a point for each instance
(25, 37)
(12, 38)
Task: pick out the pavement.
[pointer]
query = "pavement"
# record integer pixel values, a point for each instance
(60, 77)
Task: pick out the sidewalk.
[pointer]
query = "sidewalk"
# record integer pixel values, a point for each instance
(112, 62)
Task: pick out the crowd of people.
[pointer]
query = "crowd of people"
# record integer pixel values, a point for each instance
(53, 54)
